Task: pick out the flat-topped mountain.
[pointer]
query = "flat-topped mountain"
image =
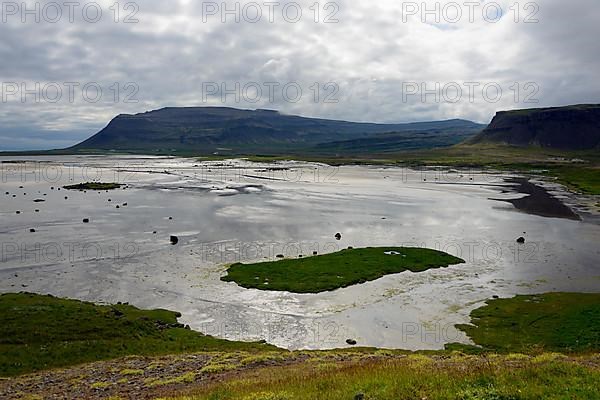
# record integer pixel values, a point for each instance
(570, 128)
(207, 130)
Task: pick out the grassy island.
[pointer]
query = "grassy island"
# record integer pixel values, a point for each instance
(93, 186)
(337, 270)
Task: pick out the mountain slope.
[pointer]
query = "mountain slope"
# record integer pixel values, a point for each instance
(569, 128)
(210, 129)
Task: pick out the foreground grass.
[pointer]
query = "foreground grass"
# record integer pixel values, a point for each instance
(41, 332)
(418, 377)
(333, 271)
(93, 186)
(565, 322)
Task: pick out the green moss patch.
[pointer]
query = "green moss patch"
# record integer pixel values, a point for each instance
(564, 322)
(41, 332)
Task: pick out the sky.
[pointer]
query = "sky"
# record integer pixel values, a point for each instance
(67, 67)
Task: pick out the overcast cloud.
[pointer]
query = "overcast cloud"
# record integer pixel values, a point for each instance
(368, 65)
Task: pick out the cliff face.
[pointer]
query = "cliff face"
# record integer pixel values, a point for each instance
(568, 128)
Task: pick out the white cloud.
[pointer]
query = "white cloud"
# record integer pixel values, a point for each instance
(369, 54)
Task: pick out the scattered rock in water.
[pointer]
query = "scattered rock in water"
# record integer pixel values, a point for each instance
(18, 212)
(174, 240)
(86, 220)
(315, 253)
(350, 248)
(39, 200)
(118, 206)
(300, 256)
(280, 256)
(124, 204)
(521, 240)
(32, 230)
(170, 218)
(496, 297)
(7, 193)
(154, 233)
(66, 197)
(110, 200)
(351, 342)
(338, 236)
(37, 211)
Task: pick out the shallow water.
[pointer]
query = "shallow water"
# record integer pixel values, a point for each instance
(225, 212)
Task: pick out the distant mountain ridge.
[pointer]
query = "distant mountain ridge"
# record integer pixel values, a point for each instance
(574, 127)
(208, 130)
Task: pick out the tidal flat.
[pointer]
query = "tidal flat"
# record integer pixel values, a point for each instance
(224, 212)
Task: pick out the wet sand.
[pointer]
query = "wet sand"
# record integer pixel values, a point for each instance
(539, 201)
(235, 211)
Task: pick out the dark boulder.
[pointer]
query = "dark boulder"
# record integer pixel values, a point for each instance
(351, 342)
(174, 240)
(117, 312)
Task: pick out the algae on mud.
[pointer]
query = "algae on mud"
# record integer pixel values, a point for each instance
(336, 270)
